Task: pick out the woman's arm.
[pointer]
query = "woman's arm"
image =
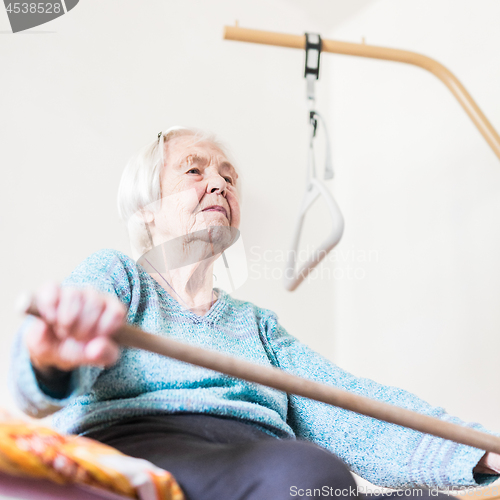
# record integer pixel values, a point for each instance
(385, 454)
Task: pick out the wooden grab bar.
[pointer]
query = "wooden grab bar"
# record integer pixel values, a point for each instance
(374, 52)
(275, 378)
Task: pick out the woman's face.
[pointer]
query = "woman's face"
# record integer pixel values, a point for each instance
(198, 189)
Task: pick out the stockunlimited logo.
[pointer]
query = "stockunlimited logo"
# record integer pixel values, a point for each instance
(26, 15)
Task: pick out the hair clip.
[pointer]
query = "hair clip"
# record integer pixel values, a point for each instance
(159, 135)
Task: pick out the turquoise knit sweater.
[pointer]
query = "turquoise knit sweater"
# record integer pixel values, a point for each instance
(142, 383)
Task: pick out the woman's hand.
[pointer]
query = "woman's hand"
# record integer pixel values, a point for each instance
(76, 328)
(489, 464)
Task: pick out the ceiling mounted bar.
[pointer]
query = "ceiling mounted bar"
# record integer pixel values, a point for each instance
(374, 52)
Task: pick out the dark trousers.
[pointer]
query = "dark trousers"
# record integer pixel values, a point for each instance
(215, 458)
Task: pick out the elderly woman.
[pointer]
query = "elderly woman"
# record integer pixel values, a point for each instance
(221, 437)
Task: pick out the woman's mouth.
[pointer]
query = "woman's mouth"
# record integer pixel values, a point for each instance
(216, 208)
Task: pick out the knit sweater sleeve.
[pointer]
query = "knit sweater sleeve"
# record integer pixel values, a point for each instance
(104, 271)
(385, 454)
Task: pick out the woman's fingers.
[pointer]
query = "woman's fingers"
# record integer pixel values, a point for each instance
(112, 317)
(489, 464)
(70, 353)
(40, 340)
(68, 310)
(75, 328)
(46, 350)
(47, 300)
(92, 309)
(102, 351)
(80, 313)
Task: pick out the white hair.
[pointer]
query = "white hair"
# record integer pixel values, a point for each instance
(140, 185)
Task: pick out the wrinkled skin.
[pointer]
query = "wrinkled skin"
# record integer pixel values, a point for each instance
(195, 176)
(199, 210)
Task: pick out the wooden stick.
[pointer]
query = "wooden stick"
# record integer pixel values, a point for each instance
(374, 52)
(132, 336)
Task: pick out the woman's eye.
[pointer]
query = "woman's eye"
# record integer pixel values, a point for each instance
(228, 180)
(194, 170)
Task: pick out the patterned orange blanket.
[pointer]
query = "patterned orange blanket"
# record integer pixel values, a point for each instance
(29, 449)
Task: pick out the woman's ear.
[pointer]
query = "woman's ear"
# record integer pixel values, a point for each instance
(147, 216)
(148, 219)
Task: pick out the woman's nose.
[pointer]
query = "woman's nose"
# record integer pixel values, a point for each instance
(216, 183)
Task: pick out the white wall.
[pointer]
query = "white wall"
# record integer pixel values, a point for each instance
(420, 189)
(80, 96)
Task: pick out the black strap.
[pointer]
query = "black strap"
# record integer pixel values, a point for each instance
(313, 54)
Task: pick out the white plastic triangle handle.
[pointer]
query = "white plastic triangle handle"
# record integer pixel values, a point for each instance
(292, 279)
